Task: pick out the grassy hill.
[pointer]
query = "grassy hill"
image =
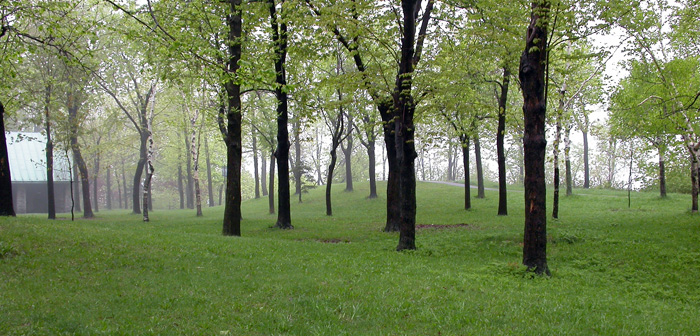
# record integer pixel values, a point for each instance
(615, 270)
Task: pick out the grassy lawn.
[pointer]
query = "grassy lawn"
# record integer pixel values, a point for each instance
(615, 270)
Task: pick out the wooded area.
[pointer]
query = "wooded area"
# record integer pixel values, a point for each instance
(159, 93)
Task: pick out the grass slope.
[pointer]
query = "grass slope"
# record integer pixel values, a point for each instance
(616, 270)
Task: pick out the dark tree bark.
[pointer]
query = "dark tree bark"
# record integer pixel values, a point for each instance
(586, 169)
(532, 71)
(557, 140)
(500, 143)
(329, 181)
(50, 194)
(180, 186)
(76, 189)
(479, 169)
(136, 186)
(6, 204)
(464, 140)
(392, 186)
(271, 193)
(279, 37)
(210, 185)
(73, 105)
(662, 173)
(694, 180)
(255, 165)
(404, 109)
(336, 126)
(234, 145)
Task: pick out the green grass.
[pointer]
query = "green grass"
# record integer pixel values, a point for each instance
(615, 270)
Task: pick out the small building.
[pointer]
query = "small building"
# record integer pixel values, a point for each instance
(27, 155)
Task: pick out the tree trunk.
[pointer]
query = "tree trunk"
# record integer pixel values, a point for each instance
(50, 194)
(694, 180)
(422, 162)
(532, 70)
(263, 175)
(271, 193)
(234, 114)
(76, 188)
(500, 145)
(464, 140)
(557, 139)
(194, 151)
(221, 192)
(180, 186)
(297, 159)
(586, 169)
(662, 173)
(256, 175)
(479, 169)
(210, 185)
(372, 168)
(404, 108)
(567, 159)
(73, 107)
(149, 172)
(329, 182)
(347, 154)
(189, 185)
(279, 37)
(136, 203)
(119, 191)
(6, 204)
(392, 185)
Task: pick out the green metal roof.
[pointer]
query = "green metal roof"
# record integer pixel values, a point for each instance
(27, 155)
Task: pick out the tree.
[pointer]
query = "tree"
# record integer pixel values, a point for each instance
(129, 74)
(346, 32)
(403, 115)
(336, 126)
(677, 87)
(532, 79)
(280, 44)
(632, 116)
(6, 205)
(368, 129)
(232, 136)
(347, 152)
